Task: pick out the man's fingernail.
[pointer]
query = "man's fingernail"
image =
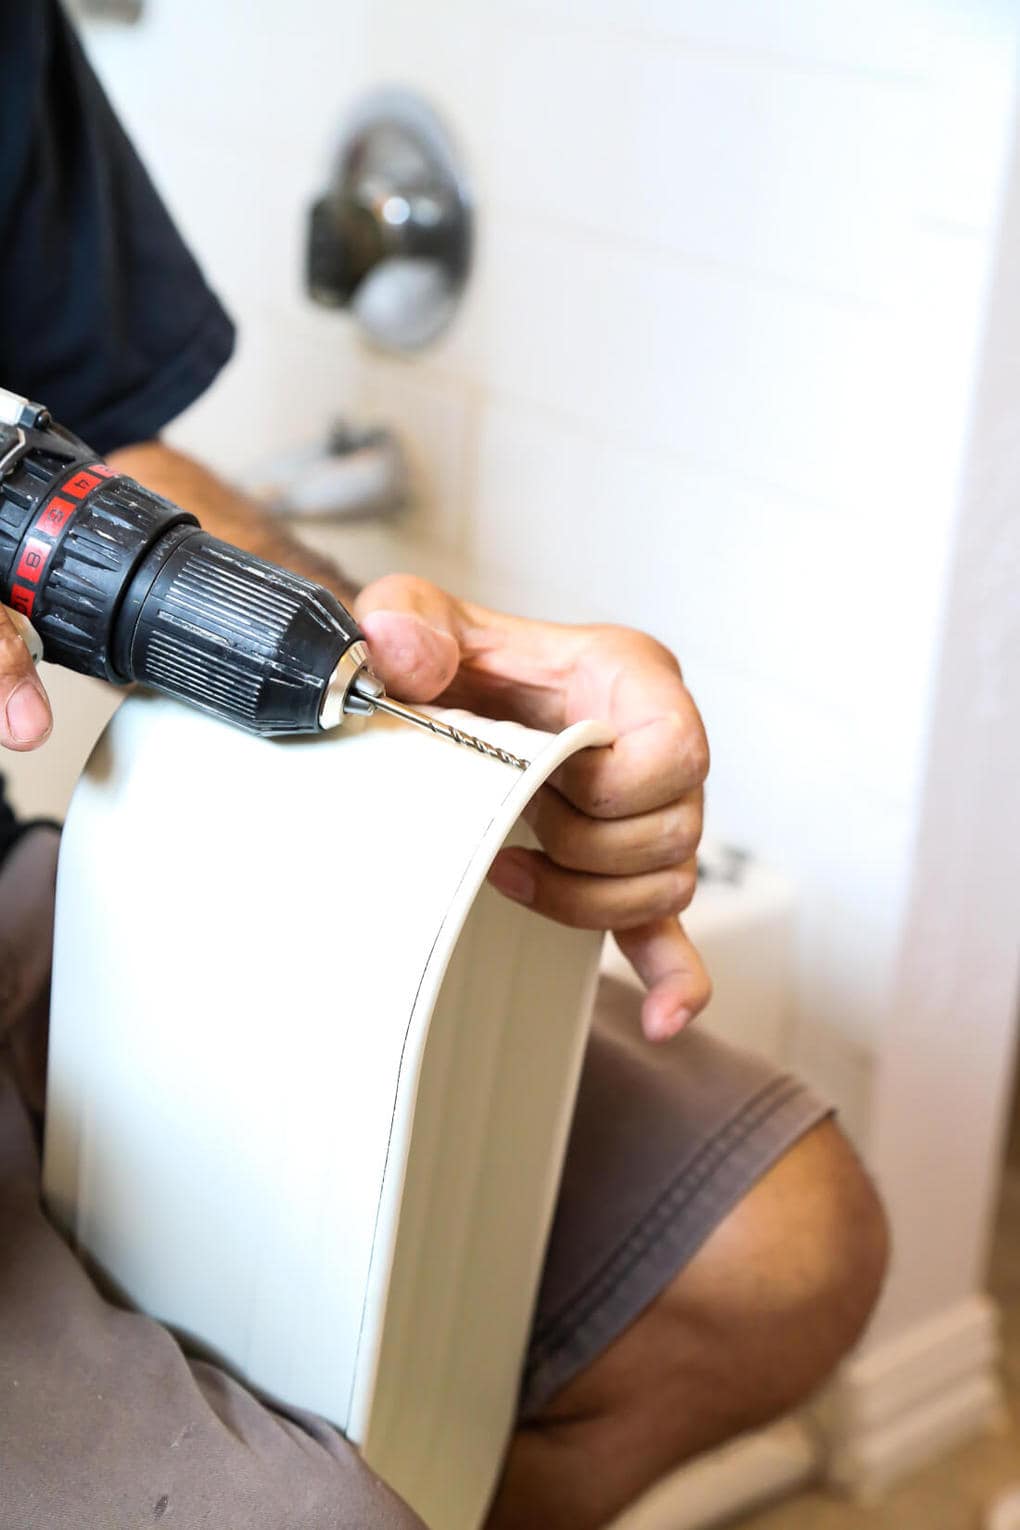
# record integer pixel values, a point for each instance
(434, 637)
(513, 878)
(28, 714)
(662, 1027)
(428, 645)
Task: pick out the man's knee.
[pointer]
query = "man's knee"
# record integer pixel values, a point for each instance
(747, 1330)
(787, 1282)
(761, 1315)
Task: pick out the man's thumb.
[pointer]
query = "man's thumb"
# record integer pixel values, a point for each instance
(415, 661)
(412, 646)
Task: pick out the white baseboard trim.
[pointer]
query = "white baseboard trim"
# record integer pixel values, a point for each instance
(736, 1479)
(902, 1403)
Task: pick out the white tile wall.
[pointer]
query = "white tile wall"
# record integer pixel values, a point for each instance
(713, 160)
(235, 107)
(716, 604)
(717, 366)
(715, 369)
(434, 419)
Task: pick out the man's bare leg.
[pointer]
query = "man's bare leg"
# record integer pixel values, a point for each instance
(771, 1302)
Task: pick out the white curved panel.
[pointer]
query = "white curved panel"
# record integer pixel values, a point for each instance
(310, 1076)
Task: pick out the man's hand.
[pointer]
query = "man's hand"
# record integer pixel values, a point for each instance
(619, 826)
(25, 717)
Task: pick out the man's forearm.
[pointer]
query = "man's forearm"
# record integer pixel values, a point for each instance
(226, 512)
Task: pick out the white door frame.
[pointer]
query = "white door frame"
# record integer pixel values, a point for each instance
(928, 1373)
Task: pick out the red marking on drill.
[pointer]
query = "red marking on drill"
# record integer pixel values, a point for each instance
(22, 600)
(33, 560)
(102, 469)
(82, 483)
(56, 515)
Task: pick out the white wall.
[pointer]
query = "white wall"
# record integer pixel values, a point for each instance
(235, 106)
(714, 372)
(949, 1042)
(928, 1374)
(714, 377)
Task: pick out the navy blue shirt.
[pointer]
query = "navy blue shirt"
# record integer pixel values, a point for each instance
(104, 316)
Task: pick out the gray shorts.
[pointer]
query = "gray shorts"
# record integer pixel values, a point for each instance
(103, 1420)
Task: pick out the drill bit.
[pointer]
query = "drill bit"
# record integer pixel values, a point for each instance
(446, 730)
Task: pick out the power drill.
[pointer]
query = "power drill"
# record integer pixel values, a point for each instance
(120, 583)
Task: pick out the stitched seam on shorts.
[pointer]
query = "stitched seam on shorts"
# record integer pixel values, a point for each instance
(680, 1192)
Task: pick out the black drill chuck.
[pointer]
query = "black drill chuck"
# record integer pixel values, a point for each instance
(122, 584)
